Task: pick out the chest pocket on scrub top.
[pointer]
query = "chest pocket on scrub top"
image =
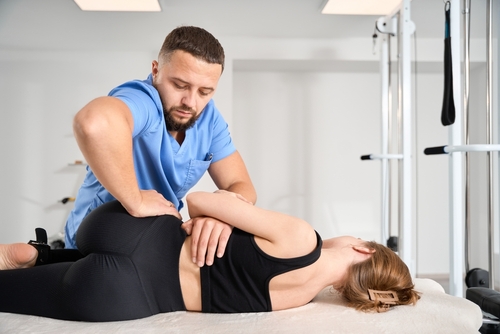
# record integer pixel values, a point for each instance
(195, 171)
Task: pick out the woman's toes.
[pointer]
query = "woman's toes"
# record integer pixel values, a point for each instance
(14, 256)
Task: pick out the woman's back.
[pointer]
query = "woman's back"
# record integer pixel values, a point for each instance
(239, 281)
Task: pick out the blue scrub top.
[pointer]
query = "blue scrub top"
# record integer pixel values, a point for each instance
(160, 162)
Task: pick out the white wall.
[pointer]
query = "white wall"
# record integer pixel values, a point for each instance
(431, 177)
(302, 134)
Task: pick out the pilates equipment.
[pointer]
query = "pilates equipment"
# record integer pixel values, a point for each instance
(480, 282)
(397, 24)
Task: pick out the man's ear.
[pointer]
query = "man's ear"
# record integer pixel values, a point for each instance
(363, 249)
(154, 68)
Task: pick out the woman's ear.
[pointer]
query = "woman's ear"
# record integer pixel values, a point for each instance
(363, 249)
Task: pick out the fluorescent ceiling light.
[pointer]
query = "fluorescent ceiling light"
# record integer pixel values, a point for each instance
(120, 5)
(360, 7)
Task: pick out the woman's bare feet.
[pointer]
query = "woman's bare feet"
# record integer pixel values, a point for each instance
(14, 256)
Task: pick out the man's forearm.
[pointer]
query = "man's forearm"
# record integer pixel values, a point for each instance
(244, 189)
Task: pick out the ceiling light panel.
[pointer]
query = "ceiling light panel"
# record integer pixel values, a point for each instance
(119, 5)
(360, 7)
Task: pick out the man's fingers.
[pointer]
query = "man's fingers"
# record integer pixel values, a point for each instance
(173, 211)
(187, 226)
(152, 204)
(230, 193)
(241, 197)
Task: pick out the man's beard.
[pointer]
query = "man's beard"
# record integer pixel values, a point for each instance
(173, 125)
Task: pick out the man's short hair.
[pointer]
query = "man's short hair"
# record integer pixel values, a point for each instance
(196, 41)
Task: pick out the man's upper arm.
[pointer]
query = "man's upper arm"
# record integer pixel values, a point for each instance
(141, 104)
(99, 113)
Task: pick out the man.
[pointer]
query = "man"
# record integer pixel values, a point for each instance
(148, 142)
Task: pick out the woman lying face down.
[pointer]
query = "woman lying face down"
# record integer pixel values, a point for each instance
(137, 267)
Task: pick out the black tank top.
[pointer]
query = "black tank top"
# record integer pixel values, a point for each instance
(239, 281)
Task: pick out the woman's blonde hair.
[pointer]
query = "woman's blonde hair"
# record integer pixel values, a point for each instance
(383, 271)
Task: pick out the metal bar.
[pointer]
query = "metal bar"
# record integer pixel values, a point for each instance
(472, 148)
(489, 135)
(466, 14)
(399, 132)
(456, 229)
(405, 88)
(385, 156)
(390, 130)
(386, 183)
(405, 28)
(381, 156)
(389, 137)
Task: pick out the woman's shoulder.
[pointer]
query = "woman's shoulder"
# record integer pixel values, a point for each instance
(307, 247)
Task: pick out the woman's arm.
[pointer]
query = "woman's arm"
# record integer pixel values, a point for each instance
(289, 236)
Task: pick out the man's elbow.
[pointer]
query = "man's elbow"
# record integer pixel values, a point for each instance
(93, 120)
(247, 190)
(87, 124)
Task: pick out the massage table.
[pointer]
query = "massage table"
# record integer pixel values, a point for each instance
(436, 312)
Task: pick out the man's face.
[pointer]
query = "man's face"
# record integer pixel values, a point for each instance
(185, 84)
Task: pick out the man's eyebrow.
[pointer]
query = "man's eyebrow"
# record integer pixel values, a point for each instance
(208, 88)
(187, 83)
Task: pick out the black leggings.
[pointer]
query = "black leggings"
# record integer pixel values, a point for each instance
(130, 270)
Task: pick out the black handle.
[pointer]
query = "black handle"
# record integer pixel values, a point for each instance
(448, 109)
(41, 235)
(366, 157)
(435, 150)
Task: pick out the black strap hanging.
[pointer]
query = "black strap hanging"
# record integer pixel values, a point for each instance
(448, 110)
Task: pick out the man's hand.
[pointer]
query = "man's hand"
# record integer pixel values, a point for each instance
(230, 193)
(209, 235)
(153, 204)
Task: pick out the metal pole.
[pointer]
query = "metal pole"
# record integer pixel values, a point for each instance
(406, 223)
(489, 135)
(399, 117)
(389, 137)
(385, 87)
(466, 128)
(456, 182)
